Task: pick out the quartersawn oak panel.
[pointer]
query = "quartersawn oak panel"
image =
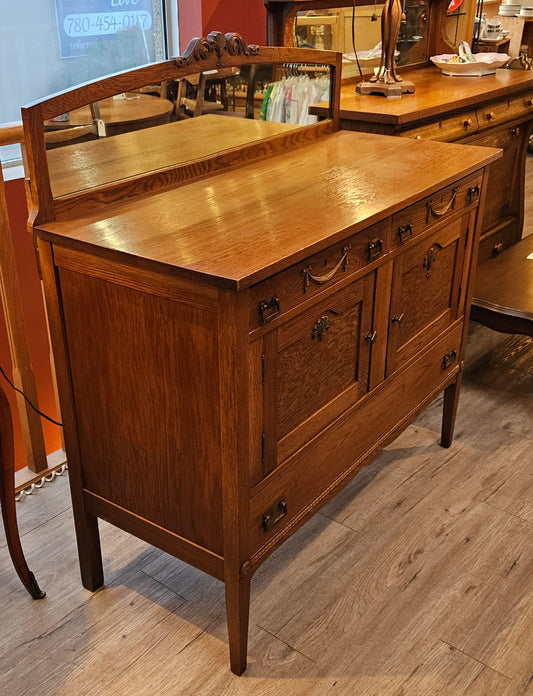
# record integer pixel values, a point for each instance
(142, 405)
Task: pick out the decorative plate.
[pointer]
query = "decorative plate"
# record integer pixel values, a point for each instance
(486, 64)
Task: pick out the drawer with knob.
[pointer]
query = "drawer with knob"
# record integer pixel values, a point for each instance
(448, 129)
(302, 281)
(498, 113)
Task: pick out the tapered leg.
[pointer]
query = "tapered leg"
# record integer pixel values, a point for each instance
(89, 552)
(237, 614)
(451, 400)
(7, 500)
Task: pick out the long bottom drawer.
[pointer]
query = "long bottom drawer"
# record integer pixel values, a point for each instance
(314, 474)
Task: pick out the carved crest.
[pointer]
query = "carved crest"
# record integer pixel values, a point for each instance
(199, 49)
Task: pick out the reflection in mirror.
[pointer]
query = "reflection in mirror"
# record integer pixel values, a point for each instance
(331, 29)
(185, 120)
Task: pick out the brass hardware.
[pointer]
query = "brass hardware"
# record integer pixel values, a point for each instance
(269, 309)
(274, 515)
(321, 326)
(468, 123)
(473, 193)
(374, 249)
(429, 260)
(319, 280)
(405, 232)
(418, 137)
(371, 336)
(491, 115)
(449, 359)
(398, 318)
(497, 249)
(442, 210)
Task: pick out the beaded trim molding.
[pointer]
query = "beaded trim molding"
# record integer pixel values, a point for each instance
(21, 495)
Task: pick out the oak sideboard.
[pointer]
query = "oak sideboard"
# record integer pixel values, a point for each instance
(237, 334)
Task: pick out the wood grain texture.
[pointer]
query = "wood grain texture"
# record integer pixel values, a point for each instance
(248, 233)
(461, 628)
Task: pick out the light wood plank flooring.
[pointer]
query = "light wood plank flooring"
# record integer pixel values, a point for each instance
(417, 580)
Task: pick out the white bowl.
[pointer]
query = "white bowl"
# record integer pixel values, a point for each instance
(486, 64)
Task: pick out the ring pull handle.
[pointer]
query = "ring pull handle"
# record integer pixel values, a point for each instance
(439, 211)
(320, 280)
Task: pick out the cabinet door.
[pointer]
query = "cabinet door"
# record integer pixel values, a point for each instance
(314, 365)
(425, 291)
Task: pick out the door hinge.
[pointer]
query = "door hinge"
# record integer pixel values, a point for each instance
(263, 439)
(263, 369)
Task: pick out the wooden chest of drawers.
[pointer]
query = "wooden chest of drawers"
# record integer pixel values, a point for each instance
(243, 402)
(232, 347)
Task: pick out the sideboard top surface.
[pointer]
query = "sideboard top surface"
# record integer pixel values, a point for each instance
(240, 226)
(434, 94)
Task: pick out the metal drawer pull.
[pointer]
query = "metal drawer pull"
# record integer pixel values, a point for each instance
(442, 210)
(374, 249)
(468, 123)
(473, 193)
(320, 280)
(274, 515)
(268, 309)
(429, 260)
(398, 318)
(320, 328)
(371, 337)
(405, 232)
(449, 359)
(491, 115)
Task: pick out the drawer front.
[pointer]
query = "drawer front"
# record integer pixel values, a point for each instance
(428, 212)
(425, 291)
(328, 462)
(496, 113)
(447, 130)
(495, 242)
(299, 283)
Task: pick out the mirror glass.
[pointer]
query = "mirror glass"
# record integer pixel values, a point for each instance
(161, 126)
(331, 29)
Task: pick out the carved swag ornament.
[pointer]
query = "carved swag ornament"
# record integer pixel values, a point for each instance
(216, 42)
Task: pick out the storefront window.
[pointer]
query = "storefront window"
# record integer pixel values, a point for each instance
(49, 45)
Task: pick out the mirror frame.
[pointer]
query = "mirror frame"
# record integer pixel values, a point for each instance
(203, 54)
(281, 16)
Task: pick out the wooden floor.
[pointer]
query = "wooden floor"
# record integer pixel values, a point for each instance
(416, 580)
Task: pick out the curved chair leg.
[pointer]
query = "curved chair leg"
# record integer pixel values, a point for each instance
(7, 500)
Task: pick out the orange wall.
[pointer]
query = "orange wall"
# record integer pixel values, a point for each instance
(34, 316)
(199, 17)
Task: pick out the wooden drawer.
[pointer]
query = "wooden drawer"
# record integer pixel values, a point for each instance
(292, 493)
(283, 291)
(447, 130)
(442, 205)
(494, 243)
(497, 113)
